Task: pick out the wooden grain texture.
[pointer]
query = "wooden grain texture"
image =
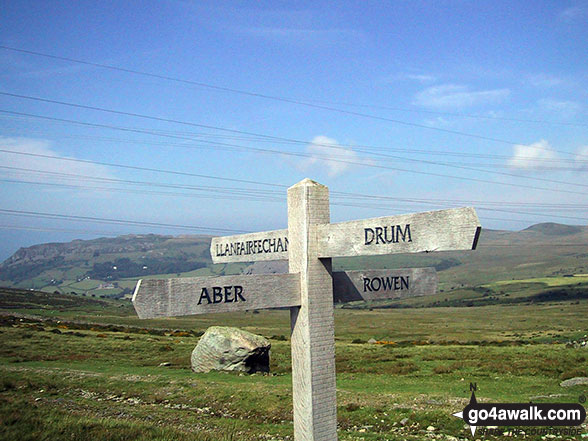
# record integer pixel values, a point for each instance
(313, 336)
(205, 295)
(268, 245)
(351, 286)
(453, 229)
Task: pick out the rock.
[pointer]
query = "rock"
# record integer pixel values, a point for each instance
(574, 382)
(430, 429)
(231, 349)
(372, 341)
(165, 363)
(404, 421)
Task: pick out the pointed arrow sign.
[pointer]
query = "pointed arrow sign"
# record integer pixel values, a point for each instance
(351, 286)
(203, 295)
(443, 230)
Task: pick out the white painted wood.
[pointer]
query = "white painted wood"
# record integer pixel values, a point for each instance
(204, 295)
(313, 336)
(268, 245)
(351, 286)
(453, 229)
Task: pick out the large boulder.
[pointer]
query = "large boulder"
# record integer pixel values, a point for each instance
(224, 348)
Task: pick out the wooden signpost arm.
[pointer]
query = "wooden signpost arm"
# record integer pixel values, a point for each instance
(313, 336)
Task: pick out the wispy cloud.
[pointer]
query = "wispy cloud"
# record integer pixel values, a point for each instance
(299, 35)
(533, 156)
(421, 78)
(582, 157)
(327, 154)
(51, 166)
(453, 96)
(545, 80)
(563, 108)
(573, 13)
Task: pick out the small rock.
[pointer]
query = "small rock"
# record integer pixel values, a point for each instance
(430, 429)
(372, 341)
(404, 421)
(165, 363)
(576, 381)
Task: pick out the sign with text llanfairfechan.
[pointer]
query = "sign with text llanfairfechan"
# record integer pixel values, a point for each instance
(309, 290)
(271, 245)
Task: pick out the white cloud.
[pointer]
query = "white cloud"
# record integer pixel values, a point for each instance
(46, 164)
(561, 107)
(533, 156)
(449, 96)
(325, 153)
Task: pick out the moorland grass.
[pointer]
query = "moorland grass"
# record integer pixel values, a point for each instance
(92, 371)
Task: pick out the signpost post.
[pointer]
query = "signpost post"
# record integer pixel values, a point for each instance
(310, 288)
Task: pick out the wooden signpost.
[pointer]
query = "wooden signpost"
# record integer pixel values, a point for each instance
(311, 288)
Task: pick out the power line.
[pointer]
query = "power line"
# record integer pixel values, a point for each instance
(298, 141)
(112, 221)
(268, 198)
(263, 195)
(366, 164)
(59, 230)
(187, 123)
(323, 105)
(239, 197)
(234, 190)
(287, 141)
(281, 140)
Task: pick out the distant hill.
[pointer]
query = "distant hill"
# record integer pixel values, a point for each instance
(109, 267)
(552, 229)
(107, 260)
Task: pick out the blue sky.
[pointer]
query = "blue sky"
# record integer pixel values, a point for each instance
(453, 92)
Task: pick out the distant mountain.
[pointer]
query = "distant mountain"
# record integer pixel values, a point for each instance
(110, 266)
(105, 259)
(552, 229)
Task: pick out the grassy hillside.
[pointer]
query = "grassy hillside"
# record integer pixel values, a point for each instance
(103, 267)
(552, 251)
(92, 370)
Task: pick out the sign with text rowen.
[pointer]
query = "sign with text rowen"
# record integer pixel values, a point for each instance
(309, 244)
(351, 286)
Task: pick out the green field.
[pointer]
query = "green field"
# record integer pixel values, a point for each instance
(89, 369)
